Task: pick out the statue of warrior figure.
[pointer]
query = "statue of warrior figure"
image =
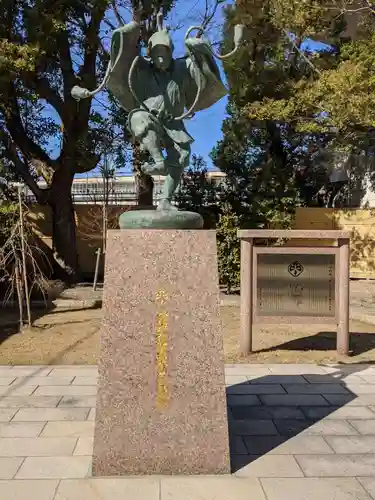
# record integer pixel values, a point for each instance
(160, 92)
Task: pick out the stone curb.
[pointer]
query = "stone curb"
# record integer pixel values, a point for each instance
(358, 315)
(225, 301)
(72, 304)
(230, 301)
(62, 305)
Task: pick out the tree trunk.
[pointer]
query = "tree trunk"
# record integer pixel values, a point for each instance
(144, 183)
(144, 187)
(64, 226)
(277, 150)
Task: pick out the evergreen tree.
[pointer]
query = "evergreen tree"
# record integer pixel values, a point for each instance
(298, 104)
(228, 249)
(279, 143)
(198, 193)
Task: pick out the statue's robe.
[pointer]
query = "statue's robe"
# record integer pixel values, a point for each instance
(170, 92)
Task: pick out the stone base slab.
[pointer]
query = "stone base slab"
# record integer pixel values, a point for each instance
(161, 397)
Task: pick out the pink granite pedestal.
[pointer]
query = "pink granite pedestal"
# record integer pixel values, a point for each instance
(161, 402)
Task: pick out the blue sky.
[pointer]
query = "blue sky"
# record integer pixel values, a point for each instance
(205, 127)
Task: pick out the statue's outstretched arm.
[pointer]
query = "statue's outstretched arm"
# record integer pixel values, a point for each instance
(124, 48)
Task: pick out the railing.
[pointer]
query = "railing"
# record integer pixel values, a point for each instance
(93, 196)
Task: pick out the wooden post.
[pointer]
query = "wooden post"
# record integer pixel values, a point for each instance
(19, 293)
(343, 305)
(98, 252)
(23, 251)
(246, 295)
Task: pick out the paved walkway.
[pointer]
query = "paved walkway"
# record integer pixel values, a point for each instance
(297, 432)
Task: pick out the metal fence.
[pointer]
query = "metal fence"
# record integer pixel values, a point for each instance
(95, 191)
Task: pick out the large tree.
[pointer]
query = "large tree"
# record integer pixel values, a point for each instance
(312, 103)
(45, 49)
(337, 93)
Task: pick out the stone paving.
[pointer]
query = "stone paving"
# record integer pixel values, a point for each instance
(297, 432)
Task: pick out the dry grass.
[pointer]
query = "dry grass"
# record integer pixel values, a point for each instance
(72, 337)
(58, 338)
(297, 343)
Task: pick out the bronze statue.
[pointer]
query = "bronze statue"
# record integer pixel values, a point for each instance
(160, 92)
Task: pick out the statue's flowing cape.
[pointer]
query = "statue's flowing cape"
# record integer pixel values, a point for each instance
(124, 49)
(201, 59)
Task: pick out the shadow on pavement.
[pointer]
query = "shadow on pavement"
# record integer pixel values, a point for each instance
(266, 412)
(326, 341)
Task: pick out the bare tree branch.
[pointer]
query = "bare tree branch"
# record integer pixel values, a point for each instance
(303, 55)
(45, 91)
(66, 64)
(117, 13)
(21, 167)
(209, 13)
(30, 149)
(370, 6)
(109, 24)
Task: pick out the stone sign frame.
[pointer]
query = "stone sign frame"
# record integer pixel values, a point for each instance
(249, 262)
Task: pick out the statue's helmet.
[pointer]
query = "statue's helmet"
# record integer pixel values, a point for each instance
(161, 37)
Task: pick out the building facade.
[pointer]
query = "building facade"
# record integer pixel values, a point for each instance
(121, 190)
